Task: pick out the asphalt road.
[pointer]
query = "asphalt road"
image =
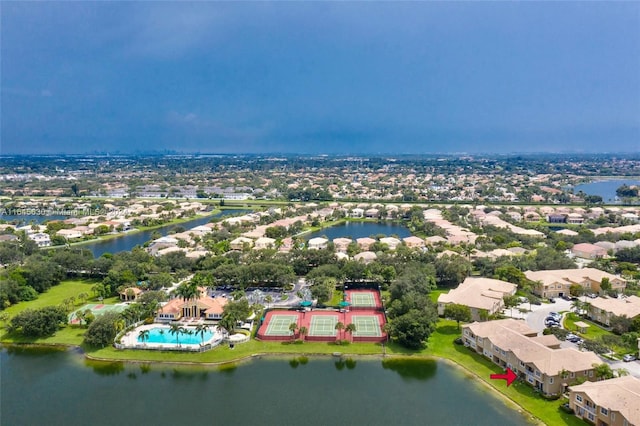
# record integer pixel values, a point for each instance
(535, 319)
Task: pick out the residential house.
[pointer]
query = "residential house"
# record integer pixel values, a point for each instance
(558, 282)
(588, 251)
(538, 360)
(264, 243)
(240, 243)
(391, 242)
(41, 239)
(342, 244)
(603, 309)
(484, 296)
(357, 213)
(365, 243)
(414, 242)
(69, 234)
(613, 402)
(365, 257)
(317, 243)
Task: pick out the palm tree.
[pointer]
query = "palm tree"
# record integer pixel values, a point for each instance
(339, 327)
(350, 328)
(292, 328)
(302, 331)
(268, 300)
(177, 330)
(201, 329)
(144, 336)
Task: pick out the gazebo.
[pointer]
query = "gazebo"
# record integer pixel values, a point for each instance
(581, 326)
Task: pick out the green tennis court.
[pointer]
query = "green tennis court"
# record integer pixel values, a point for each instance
(366, 326)
(323, 325)
(363, 300)
(279, 325)
(96, 309)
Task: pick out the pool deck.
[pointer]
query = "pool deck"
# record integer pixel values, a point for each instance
(130, 340)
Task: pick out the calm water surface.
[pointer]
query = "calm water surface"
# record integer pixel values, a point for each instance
(127, 242)
(61, 388)
(606, 188)
(355, 230)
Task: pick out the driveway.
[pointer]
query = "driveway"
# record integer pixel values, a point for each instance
(535, 318)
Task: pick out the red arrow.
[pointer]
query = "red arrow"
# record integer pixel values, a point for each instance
(509, 376)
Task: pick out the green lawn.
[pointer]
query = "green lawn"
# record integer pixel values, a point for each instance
(338, 296)
(55, 295)
(593, 332)
(243, 350)
(436, 293)
(70, 335)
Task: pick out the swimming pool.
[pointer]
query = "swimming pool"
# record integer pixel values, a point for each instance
(163, 335)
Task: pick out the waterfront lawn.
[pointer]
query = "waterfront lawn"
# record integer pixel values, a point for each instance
(223, 353)
(441, 345)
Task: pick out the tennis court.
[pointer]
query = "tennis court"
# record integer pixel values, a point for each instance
(362, 300)
(323, 325)
(366, 326)
(279, 325)
(96, 309)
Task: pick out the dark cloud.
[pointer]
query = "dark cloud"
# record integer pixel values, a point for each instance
(320, 77)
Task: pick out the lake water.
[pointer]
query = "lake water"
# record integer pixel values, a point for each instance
(355, 230)
(128, 242)
(606, 188)
(61, 388)
(25, 219)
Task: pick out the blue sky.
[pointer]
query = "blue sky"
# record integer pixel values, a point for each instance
(328, 77)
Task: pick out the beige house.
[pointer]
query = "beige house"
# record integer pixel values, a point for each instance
(558, 282)
(484, 296)
(391, 242)
(588, 251)
(602, 309)
(536, 359)
(365, 243)
(614, 402)
(240, 243)
(342, 244)
(264, 243)
(414, 242)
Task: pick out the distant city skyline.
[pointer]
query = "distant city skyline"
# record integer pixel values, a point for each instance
(319, 78)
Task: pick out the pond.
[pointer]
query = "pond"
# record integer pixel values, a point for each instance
(355, 230)
(605, 188)
(61, 388)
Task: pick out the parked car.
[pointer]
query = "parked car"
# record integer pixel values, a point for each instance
(566, 297)
(552, 300)
(629, 358)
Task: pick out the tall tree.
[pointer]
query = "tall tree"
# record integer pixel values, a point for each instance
(458, 313)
